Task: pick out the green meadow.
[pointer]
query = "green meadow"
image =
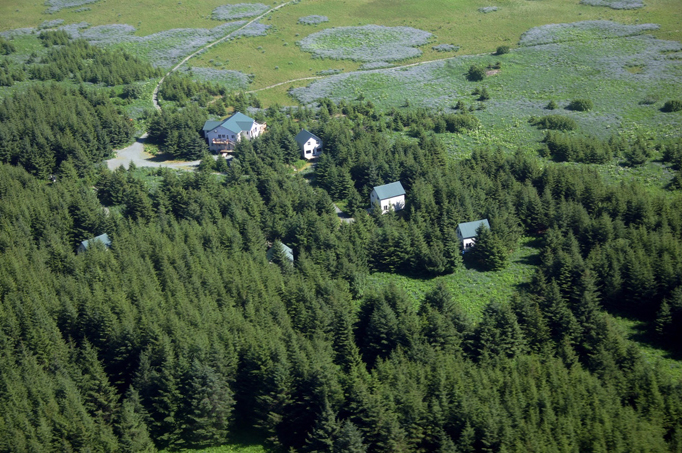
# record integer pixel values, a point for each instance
(472, 289)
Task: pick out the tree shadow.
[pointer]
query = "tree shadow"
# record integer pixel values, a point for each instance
(643, 332)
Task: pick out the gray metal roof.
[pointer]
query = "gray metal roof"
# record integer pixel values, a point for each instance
(210, 125)
(303, 136)
(235, 123)
(393, 189)
(468, 229)
(288, 252)
(103, 238)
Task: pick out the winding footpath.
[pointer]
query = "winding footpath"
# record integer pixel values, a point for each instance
(135, 152)
(155, 96)
(324, 77)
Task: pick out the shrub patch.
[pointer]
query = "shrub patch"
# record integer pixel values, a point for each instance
(366, 43)
(313, 19)
(238, 11)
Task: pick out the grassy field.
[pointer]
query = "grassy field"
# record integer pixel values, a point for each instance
(276, 57)
(626, 102)
(473, 289)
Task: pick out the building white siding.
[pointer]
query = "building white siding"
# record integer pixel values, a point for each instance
(222, 138)
(312, 148)
(397, 203)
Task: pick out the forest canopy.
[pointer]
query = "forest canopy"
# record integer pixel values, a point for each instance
(44, 126)
(182, 334)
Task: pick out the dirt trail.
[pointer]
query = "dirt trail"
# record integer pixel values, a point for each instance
(135, 152)
(155, 96)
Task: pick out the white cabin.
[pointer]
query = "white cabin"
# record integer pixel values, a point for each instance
(389, 196)
(309, 144)
(466, 232)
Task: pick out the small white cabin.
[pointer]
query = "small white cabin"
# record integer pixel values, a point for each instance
(309, 144)
(466, 232)
(388, 196)
(222, 136)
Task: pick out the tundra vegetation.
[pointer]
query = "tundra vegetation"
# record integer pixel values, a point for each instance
(560, 330)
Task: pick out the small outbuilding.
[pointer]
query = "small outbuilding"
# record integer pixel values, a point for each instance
(466, 232)
(288, 252)
(102, 238)
(309, 144)
(389, 196)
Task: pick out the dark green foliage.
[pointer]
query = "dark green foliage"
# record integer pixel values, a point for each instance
(6, 47)
(182, 334)
(673, 105)
(637, 153)
(181, 88)
(10, 74)
(46, 125)
(86, 63)
(460, 122)
(552, 105)
(349, 440)
(475, 73)
(581, 105)
(555, 122)
(178, 132)
(132, 429)
(501, 50)
(54, 38)
(484, 96)
(571, 148)
(132, 92)
(672, 153)
(490, 250)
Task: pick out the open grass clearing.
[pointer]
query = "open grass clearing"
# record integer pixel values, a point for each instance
(458, 24)
(472, 289)
(635, 330)
(528, 79)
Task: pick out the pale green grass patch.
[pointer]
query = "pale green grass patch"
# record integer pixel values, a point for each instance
(471, 288)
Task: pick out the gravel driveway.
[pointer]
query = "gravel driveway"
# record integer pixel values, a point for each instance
(135, 153)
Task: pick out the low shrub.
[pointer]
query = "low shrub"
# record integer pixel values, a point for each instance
(238, 11)
(6, 47)
(672, 106)
(567, 148)
(554, 122)
(501, 50)
(475, 73)
(57, 5)
(552, 105)
(460, 122)
(366, 43)
(445, 48)
(581, 105)
(54, 38)
(312, 20)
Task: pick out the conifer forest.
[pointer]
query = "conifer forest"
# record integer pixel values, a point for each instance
(194, 329)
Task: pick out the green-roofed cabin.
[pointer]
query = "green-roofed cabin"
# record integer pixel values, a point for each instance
(309, 144)
(466, 232)
(389, 196)
(102, 238)
(223, 135)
